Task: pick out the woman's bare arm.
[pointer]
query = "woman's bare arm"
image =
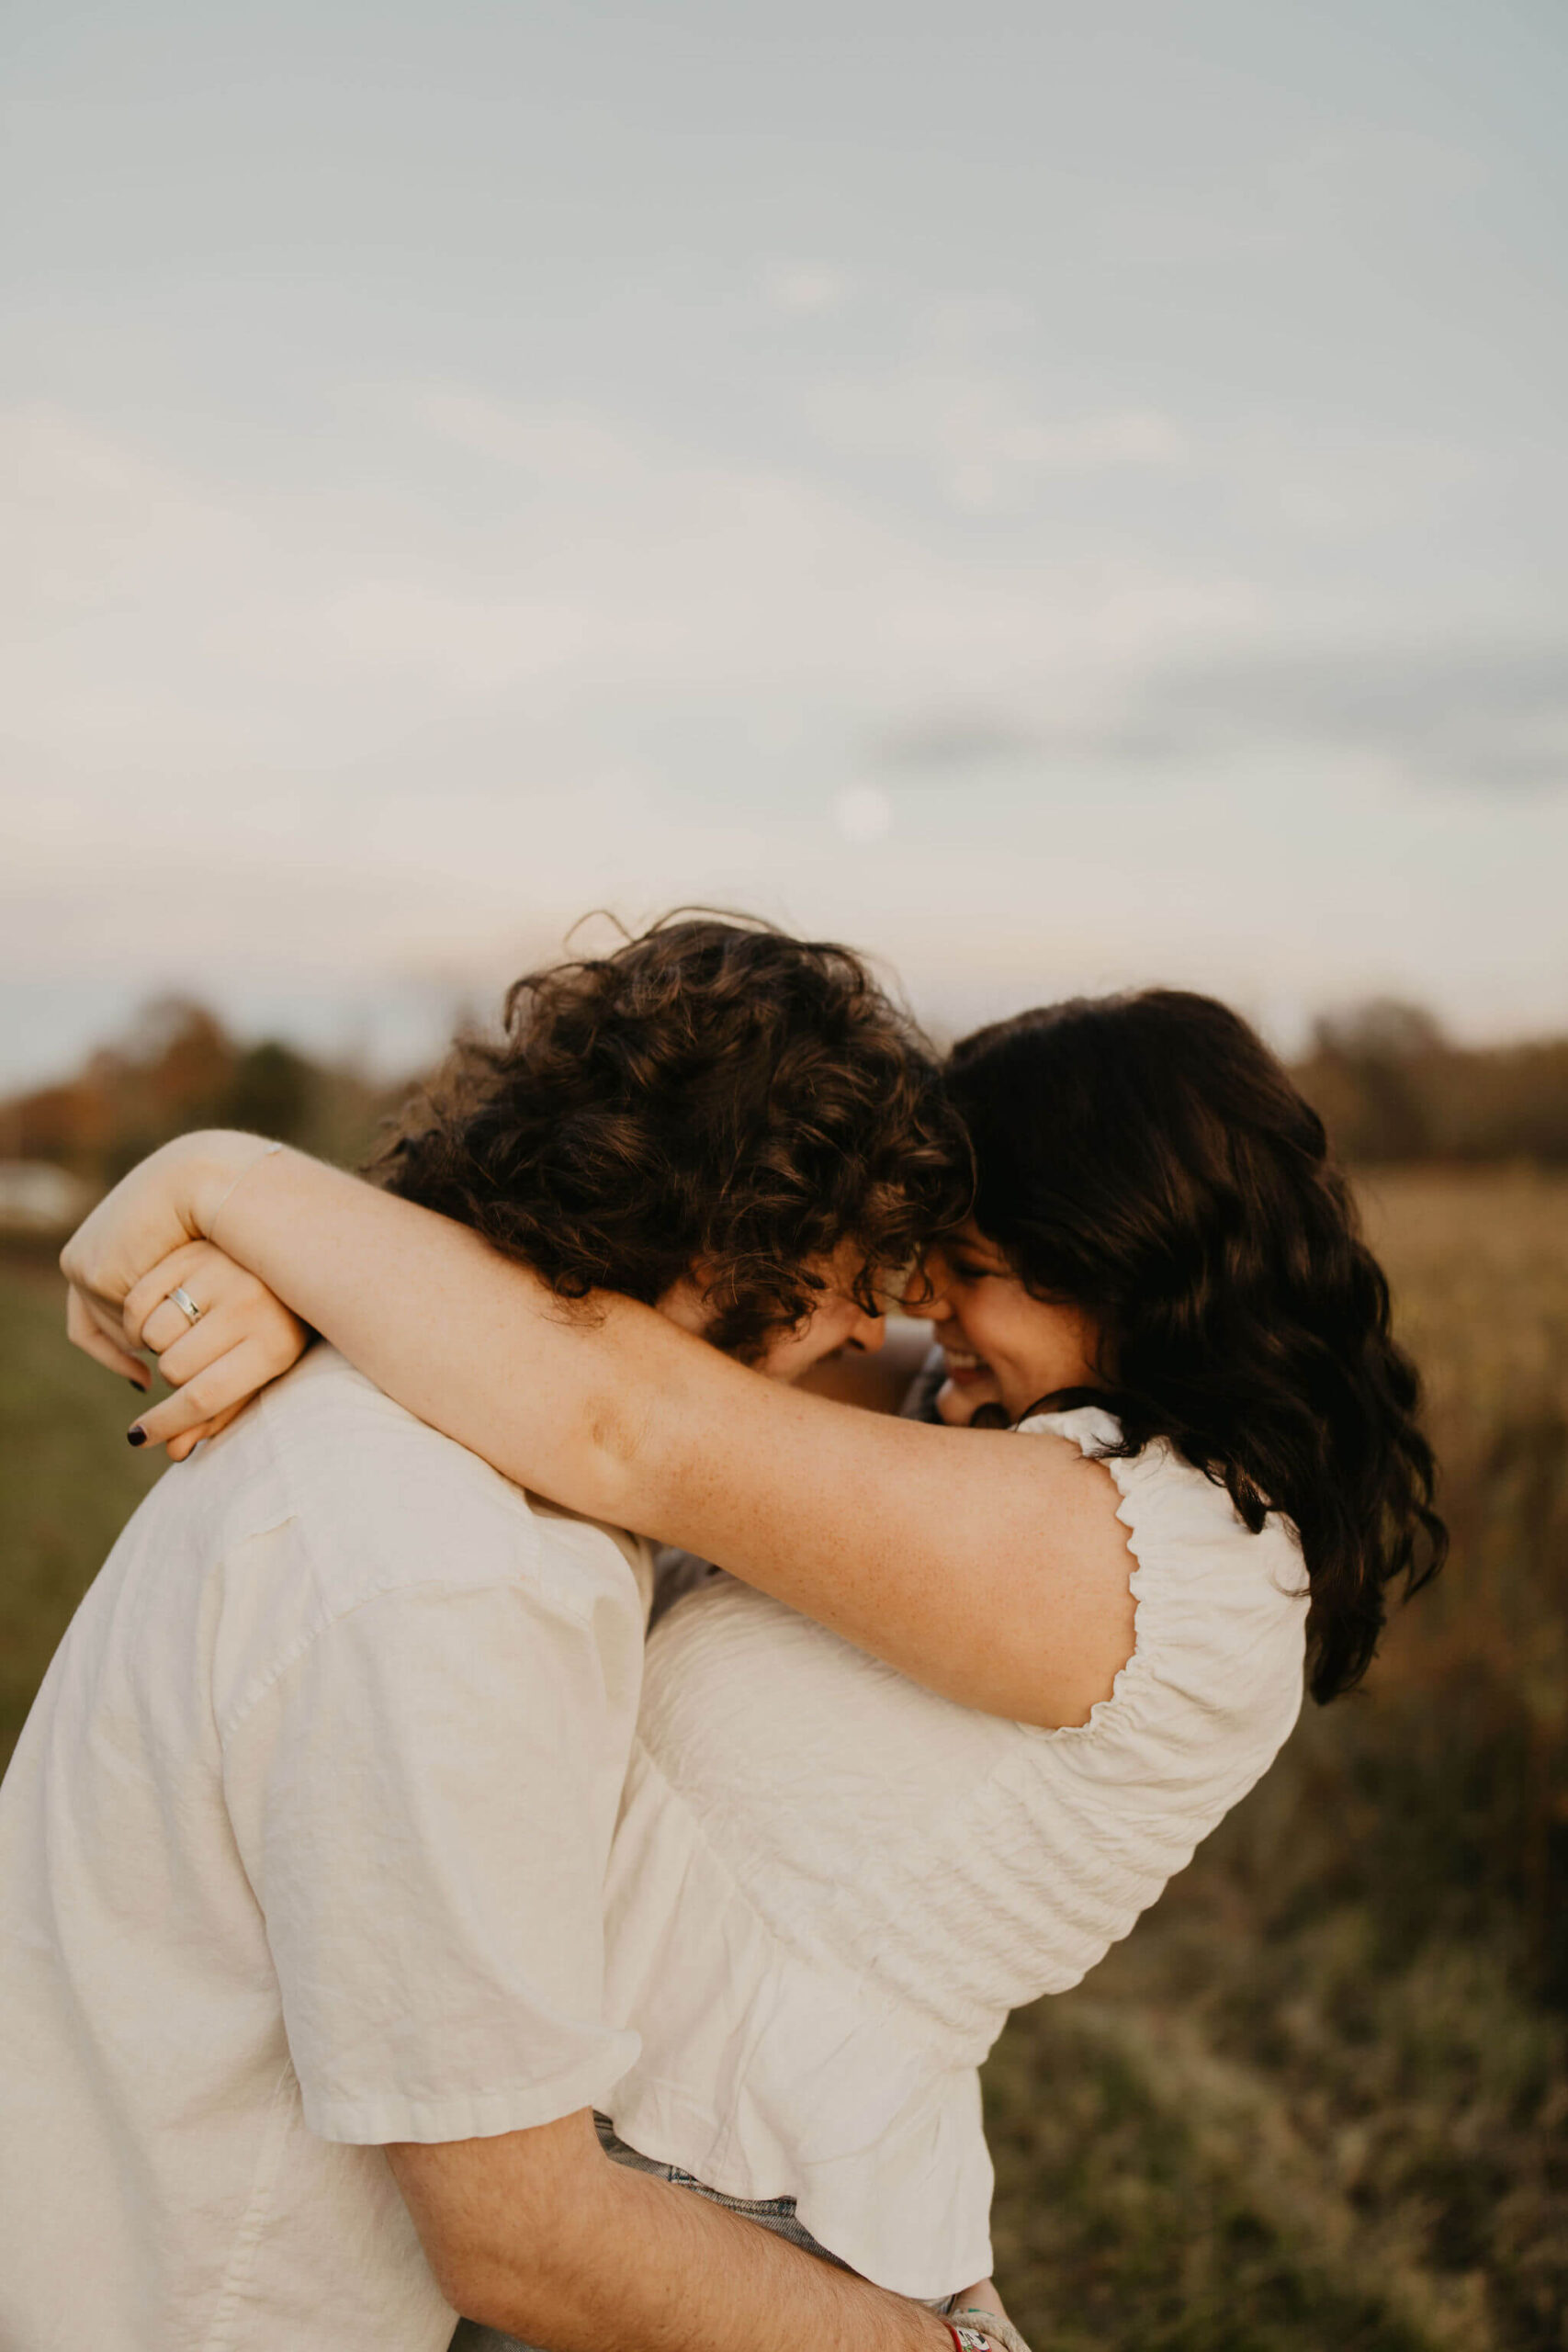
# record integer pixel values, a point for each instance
(991, 1569)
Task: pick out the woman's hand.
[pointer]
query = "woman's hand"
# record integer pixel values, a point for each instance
(170, 1198)
(128, 1256)
(242, 1337)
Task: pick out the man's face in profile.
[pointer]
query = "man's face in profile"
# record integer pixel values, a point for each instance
(836, 1319)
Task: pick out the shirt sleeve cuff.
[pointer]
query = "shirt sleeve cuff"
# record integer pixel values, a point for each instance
(472, 2115)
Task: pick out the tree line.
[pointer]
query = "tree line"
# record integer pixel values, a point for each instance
(178, 1068)
(1391, 1086)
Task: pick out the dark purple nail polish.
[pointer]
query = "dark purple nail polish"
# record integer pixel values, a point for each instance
(136, 1437)
(140, 1386)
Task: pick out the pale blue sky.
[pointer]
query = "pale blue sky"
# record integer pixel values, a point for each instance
(1060, 496)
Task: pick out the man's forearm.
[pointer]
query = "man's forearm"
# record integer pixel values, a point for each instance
(594, 2257)
(668, 2271)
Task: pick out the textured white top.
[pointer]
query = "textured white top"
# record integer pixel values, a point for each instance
(302, 1849)
(829, 1887)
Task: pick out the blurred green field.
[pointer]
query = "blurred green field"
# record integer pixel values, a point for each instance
(1319, 2099)
(68, 1480)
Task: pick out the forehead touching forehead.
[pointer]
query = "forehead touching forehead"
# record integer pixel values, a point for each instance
(712, 1102)
(958, 1249)
(979, 1248)
(848, 1271)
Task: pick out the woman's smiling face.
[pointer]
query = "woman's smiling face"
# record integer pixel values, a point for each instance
(1002, 1344)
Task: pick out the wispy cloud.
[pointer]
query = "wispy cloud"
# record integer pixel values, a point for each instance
(1480, 717)
(532, 564)
(1483, 717)
(982, 435)
(810, 289)
(951, 741)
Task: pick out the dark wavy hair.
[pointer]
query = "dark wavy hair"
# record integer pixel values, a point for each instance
(1147, 1159)
(713, 1093)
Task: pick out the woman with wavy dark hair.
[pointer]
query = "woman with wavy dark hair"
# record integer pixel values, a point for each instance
(1147, 1162)
(832, 1879)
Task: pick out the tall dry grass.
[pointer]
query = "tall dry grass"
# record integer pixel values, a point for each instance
(1320, 2097)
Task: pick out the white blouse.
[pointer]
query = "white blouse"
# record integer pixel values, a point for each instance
(828, 1886)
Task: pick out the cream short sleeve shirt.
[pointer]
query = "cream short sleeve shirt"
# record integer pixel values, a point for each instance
(302, 1851)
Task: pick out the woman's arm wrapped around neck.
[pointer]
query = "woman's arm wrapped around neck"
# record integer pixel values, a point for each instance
(989, 1567)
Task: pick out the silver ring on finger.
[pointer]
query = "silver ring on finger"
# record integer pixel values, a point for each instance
(187, 1305)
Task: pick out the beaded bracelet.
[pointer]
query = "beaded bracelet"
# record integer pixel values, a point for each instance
(981, 2331)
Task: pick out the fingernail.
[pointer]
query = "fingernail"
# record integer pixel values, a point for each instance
(136, 1436)
(140, 1386)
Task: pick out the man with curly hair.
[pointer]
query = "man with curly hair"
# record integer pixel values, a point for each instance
(311, 1823)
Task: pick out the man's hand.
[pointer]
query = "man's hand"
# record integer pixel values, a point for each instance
(979, 2309)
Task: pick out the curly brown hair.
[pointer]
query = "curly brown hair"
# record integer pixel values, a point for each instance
(713, 1093)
